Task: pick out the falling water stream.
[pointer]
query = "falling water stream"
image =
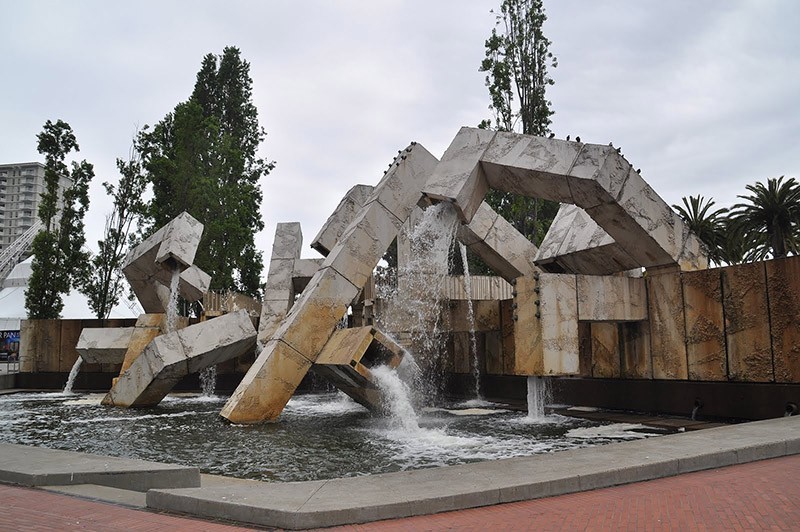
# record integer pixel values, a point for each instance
(476, 369)
(538, 396)
(73, 373)
(172, 306)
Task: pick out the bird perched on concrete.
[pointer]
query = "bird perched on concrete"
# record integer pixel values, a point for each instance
(567, 137)
(551, 135)
(577, 139)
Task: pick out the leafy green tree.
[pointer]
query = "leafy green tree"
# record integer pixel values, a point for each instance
(59, 259)
(103, 284)
(770, 218)
(516, 65)
(709, 225)
(202, 158)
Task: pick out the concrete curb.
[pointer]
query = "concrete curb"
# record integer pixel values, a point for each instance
(37, 466)
(298, 505)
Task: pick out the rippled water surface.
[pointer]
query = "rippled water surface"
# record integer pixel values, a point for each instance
(318, 436)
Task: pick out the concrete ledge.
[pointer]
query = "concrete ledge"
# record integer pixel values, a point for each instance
(37, 466)
(297, 505)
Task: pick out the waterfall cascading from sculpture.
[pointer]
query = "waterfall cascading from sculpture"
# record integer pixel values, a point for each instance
(473, 339)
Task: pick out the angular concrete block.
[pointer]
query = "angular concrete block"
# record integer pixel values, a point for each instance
(501, 247)
(149, 266)
(334, 226)
(526, 341)
(268, 385)
(288, 241)
(705, 325)
(611, 298)
(783, 285)
(744, 292)
(399, 190)
(317, 312)
(667, 326)
(531, 166)
(363, 243)
(348, 357)
(576, 244)
(193, 284)
(104, 346)
(170, 357)
(459, 176)
(559, 317)
(180, 240)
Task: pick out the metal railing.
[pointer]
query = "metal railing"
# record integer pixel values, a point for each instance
(11, 255)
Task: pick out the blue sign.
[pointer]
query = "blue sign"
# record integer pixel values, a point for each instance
(9, 345)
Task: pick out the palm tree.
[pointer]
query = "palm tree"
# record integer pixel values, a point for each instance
(770, 219)
(708, 225)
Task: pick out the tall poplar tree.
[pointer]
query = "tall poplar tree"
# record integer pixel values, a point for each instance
(202, 158)
(58, 258)
(516, 64)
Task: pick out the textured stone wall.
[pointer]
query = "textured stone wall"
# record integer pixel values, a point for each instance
(744, 289)
(705, 325)
(667, 326)
(783, 289)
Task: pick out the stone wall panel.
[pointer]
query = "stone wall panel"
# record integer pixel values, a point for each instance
(705, 325)
(667, 326)
(783, 285)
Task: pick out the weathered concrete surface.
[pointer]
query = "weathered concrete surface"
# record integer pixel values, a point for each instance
(744, 292)
(636, 362)
(596, 178)
(611, 298)
(559, 318)
(783, 285)
(605, 350)
(104, 346)
(299, 505)
(337, 222)
(170, 357)
(705, 325)
(36, 466)
(525, 323)
(504, 249)
(297, 342)
(576, 244)
(347, 358)
(150, 265)
(667, 326)
(279, 291)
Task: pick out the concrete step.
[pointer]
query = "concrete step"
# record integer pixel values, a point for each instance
(96, 492)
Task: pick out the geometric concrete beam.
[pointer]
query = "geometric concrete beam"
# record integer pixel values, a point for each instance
(576, 244)
(170, 357)
(303, 333)
(279, 292)
(104, 346)
(341, 217)
(498, 244)
(594, 177)
(348, 357)
(151, 264)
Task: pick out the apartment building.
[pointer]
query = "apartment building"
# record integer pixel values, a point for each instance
(21, 186)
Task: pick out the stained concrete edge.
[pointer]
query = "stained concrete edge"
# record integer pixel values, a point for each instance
(298, 505)
(39, 466)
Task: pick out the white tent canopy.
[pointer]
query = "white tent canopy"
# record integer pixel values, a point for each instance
(12, 300)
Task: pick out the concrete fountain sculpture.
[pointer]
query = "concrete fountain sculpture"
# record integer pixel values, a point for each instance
(611, 222)
(160, 350)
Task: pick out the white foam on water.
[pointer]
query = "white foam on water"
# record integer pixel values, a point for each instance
(89, 399)
(139, 417)
(322, 405)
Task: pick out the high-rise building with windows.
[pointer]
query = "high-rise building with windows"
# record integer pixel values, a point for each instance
(21, 186)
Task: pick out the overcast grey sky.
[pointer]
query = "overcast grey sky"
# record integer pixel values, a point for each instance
(702, 95)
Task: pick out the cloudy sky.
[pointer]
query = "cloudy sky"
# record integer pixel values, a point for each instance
(702, 95)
